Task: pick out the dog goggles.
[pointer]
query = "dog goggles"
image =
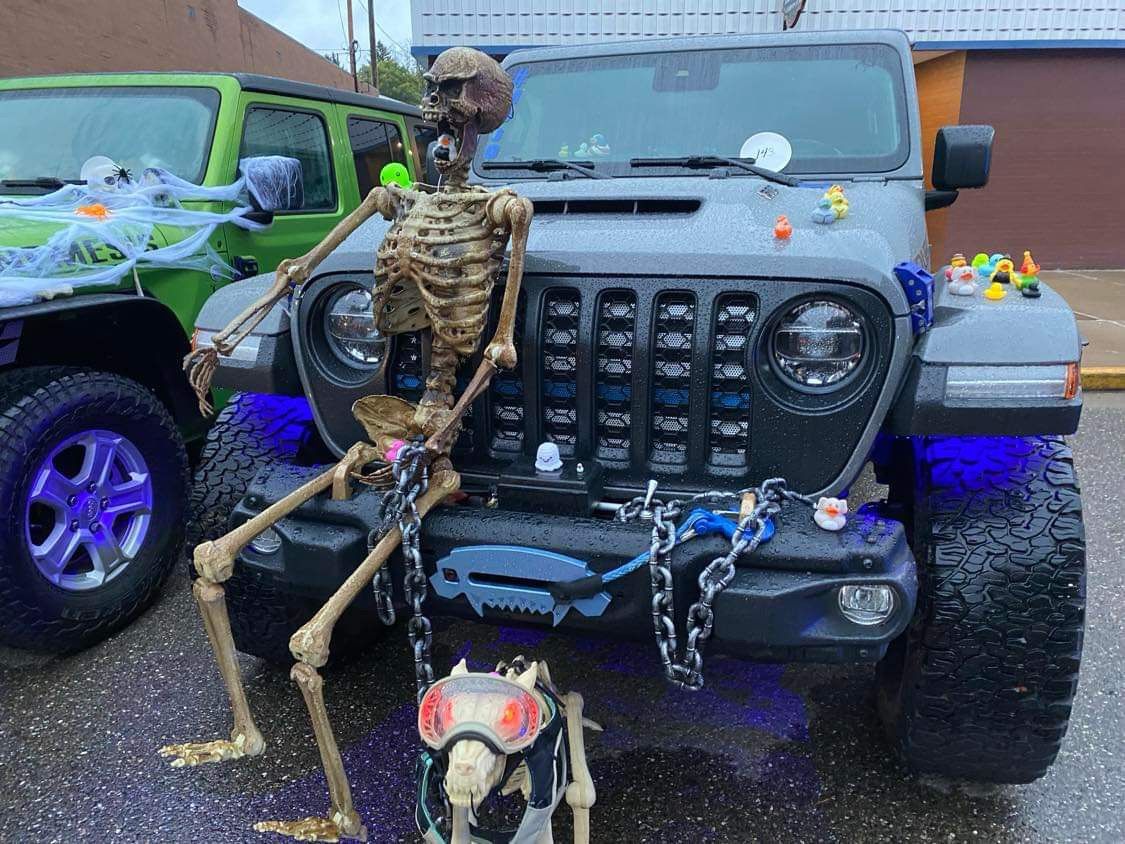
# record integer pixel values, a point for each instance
(498, 711)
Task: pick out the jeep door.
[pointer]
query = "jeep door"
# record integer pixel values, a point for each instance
(307, 130)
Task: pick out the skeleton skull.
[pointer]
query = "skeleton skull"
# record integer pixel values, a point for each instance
(466, 93)
(474, 769)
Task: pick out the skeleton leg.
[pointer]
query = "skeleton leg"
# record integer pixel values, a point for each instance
(214, 561)
(343, 820)
(580, 794)
(310, 647)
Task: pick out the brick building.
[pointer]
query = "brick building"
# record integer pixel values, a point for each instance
(1049, 76)
(55, 36)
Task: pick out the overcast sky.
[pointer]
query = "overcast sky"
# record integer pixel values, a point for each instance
(321, 24)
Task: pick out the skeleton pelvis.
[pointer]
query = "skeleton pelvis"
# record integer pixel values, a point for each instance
(385, 419)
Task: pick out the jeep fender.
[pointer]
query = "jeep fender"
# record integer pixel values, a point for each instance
(134, 336)
(991, 368)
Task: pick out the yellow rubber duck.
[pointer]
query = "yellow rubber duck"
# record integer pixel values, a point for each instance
(995, 291)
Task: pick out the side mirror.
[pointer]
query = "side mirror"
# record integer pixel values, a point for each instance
(274, 183)
(962, 158)
(433, 177)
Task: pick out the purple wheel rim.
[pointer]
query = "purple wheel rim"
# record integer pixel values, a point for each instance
(88, 511)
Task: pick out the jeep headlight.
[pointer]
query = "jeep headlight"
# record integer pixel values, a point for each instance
(349, 325)
(818, 343)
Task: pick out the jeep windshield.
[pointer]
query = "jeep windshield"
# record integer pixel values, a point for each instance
(842, 109)
(49, 132)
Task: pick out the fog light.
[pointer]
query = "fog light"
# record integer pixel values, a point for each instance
(867, 605)
(269, 542)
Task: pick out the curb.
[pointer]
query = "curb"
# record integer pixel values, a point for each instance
(1103, 378)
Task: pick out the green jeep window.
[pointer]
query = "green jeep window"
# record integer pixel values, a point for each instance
(375, 143)
(49, 132)
(298, 134)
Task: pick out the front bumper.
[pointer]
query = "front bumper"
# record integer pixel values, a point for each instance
(782, 604)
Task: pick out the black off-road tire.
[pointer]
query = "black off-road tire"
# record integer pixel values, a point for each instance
(40, 407)
(251, 434)
(980, 686)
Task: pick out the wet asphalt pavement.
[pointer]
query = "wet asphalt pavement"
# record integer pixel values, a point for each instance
(766, 753)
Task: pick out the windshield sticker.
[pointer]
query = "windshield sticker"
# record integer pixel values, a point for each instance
(768, 149)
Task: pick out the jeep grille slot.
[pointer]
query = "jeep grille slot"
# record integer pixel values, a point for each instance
(613, 381)
(730, 380)
(673, 331)
(408, 375)
(559, 337)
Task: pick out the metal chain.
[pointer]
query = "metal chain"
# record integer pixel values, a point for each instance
(411, 474)
(687, 671)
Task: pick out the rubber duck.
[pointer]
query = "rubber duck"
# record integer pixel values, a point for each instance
(1028, 267)
(1004, 271)
(839, 202)
(963, 281)
(598, 146)
(831, 513)
(782, 229)
(823, 213)
(955, 263)
(1028, 279)
(979, 261)
(564, 151)
(995, 291)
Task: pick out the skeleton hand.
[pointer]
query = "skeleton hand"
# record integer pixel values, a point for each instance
(502, 353)
(295, 271)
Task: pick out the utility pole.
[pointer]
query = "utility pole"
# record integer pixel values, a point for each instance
(351, 46)
(371, 36)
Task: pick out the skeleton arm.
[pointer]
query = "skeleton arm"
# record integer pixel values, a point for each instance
(513, 213)
(291, 273)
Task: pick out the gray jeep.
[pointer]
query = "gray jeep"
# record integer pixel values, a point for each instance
(674, 329)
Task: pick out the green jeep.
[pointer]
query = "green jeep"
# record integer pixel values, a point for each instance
(96, 417)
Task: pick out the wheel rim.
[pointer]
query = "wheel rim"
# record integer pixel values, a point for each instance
(88, 510)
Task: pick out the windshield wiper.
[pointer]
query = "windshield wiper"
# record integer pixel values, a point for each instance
(39, 182)
(546, 165)
(707, 162)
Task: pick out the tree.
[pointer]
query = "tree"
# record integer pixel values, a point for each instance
(397, 79)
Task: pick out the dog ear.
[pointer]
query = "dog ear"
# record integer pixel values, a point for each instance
(459, 668)
(528, 678)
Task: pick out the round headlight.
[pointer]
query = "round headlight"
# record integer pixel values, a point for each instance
(350, 328)
(818, 343)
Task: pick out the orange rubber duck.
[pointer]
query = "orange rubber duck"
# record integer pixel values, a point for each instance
(782, 229)
(1029, 267)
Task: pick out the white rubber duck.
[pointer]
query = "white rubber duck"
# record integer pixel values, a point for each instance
(963, 281)
(830, 513)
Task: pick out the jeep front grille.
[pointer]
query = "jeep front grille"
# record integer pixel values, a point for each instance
(650, 378)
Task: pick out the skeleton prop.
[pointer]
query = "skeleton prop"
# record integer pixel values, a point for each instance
(435, 268)
(496, 734)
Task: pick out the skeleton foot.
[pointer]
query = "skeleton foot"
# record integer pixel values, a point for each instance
(190, 754)
(306, 829)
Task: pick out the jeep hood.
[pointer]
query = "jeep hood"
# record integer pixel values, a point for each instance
(698, 226)
(721, 227)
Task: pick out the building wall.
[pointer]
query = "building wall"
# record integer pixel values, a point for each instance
(1058, 165)
(930, 25)
(940, 83)
(57, 36)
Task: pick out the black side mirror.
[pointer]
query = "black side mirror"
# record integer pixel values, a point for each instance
(274, 183)
(433, 177)
(962, 158)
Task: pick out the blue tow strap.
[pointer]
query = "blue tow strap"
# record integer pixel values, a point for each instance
(700, 522)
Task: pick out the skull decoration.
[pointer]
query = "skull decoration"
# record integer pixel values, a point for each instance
(467, 93)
